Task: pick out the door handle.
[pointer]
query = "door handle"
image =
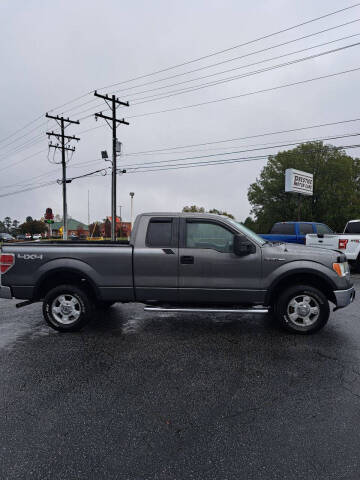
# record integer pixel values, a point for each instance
(187, 260)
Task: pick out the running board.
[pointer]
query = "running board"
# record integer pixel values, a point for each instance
(206, 310)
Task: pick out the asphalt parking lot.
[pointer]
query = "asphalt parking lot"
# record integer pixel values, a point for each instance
(140, 395)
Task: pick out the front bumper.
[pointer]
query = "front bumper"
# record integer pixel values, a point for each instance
(5, 292)
(344, 297)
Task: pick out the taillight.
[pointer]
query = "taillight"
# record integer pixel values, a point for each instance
(342, 243)
(7, 260)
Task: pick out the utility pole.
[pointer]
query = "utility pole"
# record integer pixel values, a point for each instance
(88, 207)
(113, 105)
(63, 122)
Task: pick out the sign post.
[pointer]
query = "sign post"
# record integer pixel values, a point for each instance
(297, 181)
(49, 219)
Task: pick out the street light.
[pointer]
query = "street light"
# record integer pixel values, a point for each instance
(132, 205)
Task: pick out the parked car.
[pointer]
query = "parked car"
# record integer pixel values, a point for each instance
(6, 237)
(37, 236)
(21, 237)
(294, 232)
(179, 262)
(347, 242)
(28, 236)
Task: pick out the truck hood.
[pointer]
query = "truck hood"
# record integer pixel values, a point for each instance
(293, 251)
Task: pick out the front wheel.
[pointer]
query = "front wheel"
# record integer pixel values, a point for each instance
(67, 308)
(302, 309)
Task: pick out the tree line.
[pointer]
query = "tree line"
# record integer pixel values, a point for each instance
(14, 227)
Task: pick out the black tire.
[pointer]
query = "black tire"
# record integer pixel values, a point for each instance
(81, 308)
(305, 323)
(104, 305)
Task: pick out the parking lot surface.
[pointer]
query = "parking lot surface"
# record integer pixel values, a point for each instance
(140, 395)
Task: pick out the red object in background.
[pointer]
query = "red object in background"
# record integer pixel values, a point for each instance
(49, 214)
(342, 243)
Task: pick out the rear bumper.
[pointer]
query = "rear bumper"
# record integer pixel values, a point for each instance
(5, 292)
(344, 297)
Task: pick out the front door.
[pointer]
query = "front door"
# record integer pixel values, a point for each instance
(210, 272)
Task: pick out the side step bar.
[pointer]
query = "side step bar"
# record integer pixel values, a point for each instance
(206, 310)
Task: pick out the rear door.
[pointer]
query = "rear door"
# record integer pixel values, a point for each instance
(209, 271)
(285, 232)
(303, 230)
(156, 259)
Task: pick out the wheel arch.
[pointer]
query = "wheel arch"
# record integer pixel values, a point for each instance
(61, 276)
(302, 277)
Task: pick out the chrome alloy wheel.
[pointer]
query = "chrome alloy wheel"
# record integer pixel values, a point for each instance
(66, 309)
(303, 310)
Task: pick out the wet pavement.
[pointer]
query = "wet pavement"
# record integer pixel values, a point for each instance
(140, 395)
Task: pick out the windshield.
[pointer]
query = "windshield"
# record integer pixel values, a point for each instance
(249, 233)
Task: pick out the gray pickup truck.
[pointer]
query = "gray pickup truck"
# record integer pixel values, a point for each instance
(179, 262)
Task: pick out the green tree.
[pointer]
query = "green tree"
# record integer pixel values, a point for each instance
(7, 223)
(2, 227)
(33, 226)
(219, 212)
(336, 196)
(193, 209)
(251, 223)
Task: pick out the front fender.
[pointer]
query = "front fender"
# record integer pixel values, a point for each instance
(304, 267)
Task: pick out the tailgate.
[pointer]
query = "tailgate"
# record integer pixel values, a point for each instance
(328, 241)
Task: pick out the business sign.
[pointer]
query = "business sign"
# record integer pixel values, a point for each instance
(298, 182)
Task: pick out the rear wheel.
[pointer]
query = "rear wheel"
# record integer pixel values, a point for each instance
(302, 309)
(67, 308)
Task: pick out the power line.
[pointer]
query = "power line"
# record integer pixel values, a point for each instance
(166, 168)
(248, 55)
(226, 61)
(263, 37)
(301, 82)
(173, 93)
(217, 162)
(218, 52)
(308, 127)
(337, 137)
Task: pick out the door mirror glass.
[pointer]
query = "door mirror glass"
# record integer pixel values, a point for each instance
(243, 246)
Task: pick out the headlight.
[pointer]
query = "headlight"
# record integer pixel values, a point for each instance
(342, 269)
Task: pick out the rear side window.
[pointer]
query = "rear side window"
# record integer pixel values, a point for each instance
(305, 228)
(160, 232)
(352, 227)
(323, 229)
(283, 228)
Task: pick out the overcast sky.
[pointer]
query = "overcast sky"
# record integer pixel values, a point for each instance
(53, 52)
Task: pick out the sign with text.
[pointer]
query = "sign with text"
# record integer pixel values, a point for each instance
(297, 181)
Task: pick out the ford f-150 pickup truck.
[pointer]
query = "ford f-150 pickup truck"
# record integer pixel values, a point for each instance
(347, 242)
(179, 262)
(294, 232)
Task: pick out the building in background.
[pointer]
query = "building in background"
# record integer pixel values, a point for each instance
(74, 228)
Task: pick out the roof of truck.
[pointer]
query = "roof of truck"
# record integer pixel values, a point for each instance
(184, 214)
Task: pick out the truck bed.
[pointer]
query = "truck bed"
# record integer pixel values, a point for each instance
(108, 266)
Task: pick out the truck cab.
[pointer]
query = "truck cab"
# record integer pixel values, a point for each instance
(295, 232)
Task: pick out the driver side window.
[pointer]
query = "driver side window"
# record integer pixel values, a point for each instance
(209, 235)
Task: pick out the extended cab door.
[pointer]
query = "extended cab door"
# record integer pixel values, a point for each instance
(156, 259)
(209, 271)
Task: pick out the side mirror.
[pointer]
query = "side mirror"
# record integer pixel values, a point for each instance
(242, 246)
